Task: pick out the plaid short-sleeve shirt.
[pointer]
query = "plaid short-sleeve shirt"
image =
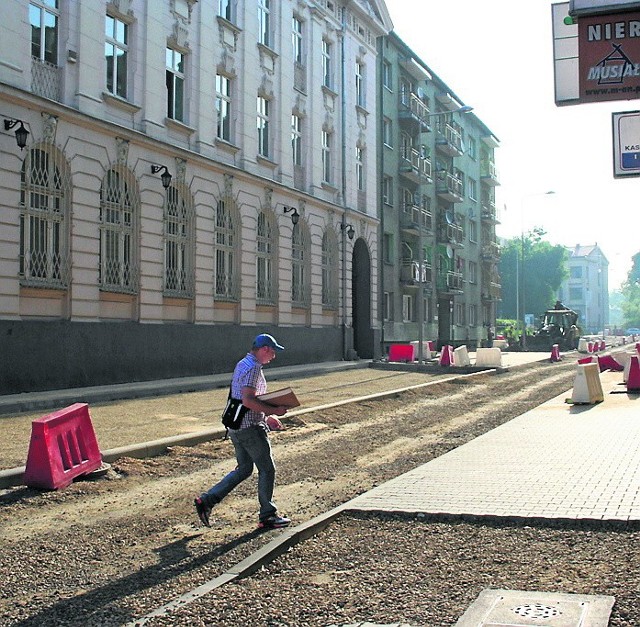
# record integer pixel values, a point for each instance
(248, 373)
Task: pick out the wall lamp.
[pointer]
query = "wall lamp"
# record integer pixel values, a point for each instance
(295, 216)
(21, 132)
(349, 229)
(165, 176)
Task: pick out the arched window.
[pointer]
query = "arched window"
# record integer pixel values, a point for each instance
(44, 220)
(300, 265)
(226, 277)
(179, 244)
(330, 269)
(119, 214)
(266, 260)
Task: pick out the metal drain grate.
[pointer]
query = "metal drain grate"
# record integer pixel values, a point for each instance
(515, 608)
(536, 610)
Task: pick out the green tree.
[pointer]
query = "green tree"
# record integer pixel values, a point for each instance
(631, 294)
(537, 267)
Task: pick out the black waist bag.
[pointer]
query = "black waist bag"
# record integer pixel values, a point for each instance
(233, 413)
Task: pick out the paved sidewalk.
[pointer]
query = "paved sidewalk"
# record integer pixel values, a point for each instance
(555, 462)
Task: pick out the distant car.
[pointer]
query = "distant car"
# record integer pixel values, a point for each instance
(633, 331)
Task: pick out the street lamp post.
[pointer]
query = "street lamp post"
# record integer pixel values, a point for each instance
(420, 304)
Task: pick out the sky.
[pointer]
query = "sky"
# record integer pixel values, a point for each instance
(497, 56)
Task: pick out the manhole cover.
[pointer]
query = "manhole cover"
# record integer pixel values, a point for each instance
(514, 608)
(536, 610)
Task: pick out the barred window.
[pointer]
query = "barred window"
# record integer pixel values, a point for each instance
(119, 210)
(266, 288)
(226, 279)
(178, 244)
(330, 269)
(300, 266)
(44, 220)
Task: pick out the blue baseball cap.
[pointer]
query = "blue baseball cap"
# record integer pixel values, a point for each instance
(264, 339)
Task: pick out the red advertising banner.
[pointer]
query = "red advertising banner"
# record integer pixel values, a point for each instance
(609, 53)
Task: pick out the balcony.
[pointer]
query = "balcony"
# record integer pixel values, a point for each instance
(415, 218)
(450, 282)
(416, 168)
(46, 79)
(491, 251)
(489, 173)
(410, 274)
(450, 233)
(488, 212)
(413, 110)
(449, 140)
(491, 289)
(449, 187)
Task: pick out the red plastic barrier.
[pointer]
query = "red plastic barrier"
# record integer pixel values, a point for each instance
(446, 356)
(585, 360)
(633, 382)
(401, 352)
(63, 446)
(431, 345)
(607, 362)
(603, 345)
(590, 347)
(555, 353)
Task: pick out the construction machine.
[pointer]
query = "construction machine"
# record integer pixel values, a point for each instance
(557, 326)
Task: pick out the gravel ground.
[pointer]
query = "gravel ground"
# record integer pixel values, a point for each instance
(106, 552)
(392, 569)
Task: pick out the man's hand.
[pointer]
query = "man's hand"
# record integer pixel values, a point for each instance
(274, 424)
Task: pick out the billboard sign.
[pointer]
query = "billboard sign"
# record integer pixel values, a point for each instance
(626, 144)
(609, 57)
(590, 7)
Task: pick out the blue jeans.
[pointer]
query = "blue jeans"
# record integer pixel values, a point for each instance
(252, 447)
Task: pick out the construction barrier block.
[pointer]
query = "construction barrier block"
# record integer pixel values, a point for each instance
(603, 345)
(633, 381)
(585, 360)
(626, 360)
(401, 352)
(587, 388)
(555, 353)
(446, 356)
(491, 357)
(583, 346)
(426, 352)
(590, 347)
(461, 356)
(432, 346)
(63, 446)
(607, 362)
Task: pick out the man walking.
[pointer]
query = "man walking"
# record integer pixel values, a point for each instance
(251, 440)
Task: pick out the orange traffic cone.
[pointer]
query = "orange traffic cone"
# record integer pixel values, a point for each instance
(555, 353)
(633, 381)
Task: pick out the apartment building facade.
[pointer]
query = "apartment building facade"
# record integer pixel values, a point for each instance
(586, 289)
(195, 172)
(438, 278)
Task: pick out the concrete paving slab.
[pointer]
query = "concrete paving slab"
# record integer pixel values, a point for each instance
(555, 462)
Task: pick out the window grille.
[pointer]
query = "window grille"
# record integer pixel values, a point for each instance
(300, 266)
(266, 261)
(45, 218)
(330, 269)
(226, 251)
(178, 244)
(119, 211)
